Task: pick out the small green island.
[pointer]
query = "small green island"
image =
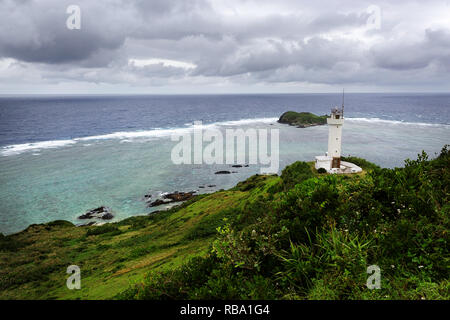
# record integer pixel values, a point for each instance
(302, 119)
(300, 235)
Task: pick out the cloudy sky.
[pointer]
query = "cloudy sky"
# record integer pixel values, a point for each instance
(212, 46)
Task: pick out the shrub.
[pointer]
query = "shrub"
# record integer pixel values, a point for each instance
(295, 174)
(60, 223)
(208, 225)
(10, 243)
(106, 228)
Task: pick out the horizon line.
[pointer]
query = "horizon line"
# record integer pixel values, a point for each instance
(219, 93)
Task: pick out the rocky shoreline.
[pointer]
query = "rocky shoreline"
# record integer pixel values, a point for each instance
(171, 198)
(100, 214)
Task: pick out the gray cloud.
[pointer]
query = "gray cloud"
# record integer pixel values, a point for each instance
(243, 43)
(36, 32)
(434, 48)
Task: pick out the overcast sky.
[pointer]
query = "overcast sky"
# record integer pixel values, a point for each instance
(203, 46)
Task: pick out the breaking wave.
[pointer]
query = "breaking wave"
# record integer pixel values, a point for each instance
(127, 136)
(378, 120)
(121, 135)
(19, 148)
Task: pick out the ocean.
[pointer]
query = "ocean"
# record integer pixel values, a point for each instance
(63, 155)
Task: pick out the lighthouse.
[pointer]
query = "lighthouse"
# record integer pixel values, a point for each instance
(331, 161)
(335, 123)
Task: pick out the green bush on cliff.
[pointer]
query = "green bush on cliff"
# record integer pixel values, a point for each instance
(295, 173)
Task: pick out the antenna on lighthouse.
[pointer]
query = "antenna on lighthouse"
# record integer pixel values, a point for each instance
(342, 102)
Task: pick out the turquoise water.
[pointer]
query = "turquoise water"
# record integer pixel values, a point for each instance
(40, 185)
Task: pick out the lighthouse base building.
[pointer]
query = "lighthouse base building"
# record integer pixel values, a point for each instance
(345, 167)
(331, 161)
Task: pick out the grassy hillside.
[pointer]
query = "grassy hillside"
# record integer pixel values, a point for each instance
(33, 262)
(301, 235)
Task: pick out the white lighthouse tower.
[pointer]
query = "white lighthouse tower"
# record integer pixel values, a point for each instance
(332, 160)
(335, 123)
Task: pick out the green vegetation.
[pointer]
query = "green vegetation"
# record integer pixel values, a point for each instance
(316, 238)
(111, 257)
(301, 235)
(302, 119)
(295, 174)
(106, 228)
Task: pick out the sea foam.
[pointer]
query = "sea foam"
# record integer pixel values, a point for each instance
(127, 135)
(19, 148)
(395, 122)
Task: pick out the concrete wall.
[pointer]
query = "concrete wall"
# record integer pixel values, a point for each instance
(326, 164)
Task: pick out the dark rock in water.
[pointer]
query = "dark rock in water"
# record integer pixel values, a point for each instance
(107, 216)
(201, 187)
(172, 197)
(246, 165)
(147, 196)
(236, 166)
(100, 213)
(211, 186)
(234, 172)
(179, 196)
(223, 172)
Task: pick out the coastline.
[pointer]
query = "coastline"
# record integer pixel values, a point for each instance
(118, 172)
